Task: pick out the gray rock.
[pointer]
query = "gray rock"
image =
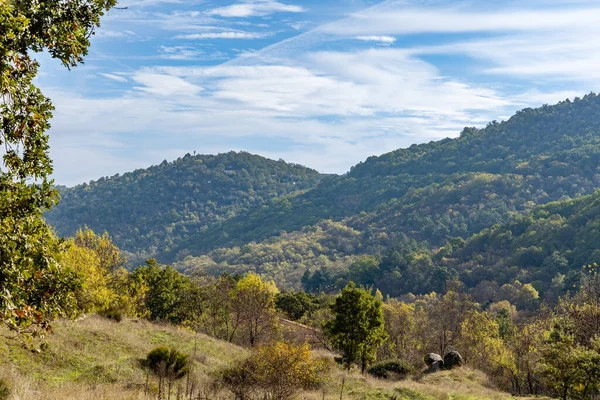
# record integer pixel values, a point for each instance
(452, 359)
(432, 358)
(436, 366)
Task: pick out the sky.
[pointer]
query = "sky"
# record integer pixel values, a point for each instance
(322, 83)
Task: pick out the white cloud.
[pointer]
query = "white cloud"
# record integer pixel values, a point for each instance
(223, 35)
(115, 77)
(382, 39)
(164, 85)
(331, 109)
(397, 19)
(254, 9)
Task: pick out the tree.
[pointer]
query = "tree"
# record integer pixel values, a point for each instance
(166, 291)
(218, 319)
(364, 270)
(253, 303)
(400, 325)
(296, 305)
(95, 293)
(34, 286)
(442, 318)
(358, 327)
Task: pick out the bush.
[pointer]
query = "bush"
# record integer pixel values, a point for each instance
(391, 369)
(112, 314)
(168, 365)
(277, 371)
(4, 389)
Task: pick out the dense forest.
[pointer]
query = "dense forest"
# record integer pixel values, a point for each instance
(444, 189)
(151, 211)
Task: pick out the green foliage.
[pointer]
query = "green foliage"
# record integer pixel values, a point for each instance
(357, 329)
(391, 368)
(34, 287)
(328, 245)
(163, 206)
(168, 363)
(4, 389)
(546, 248)
(296, 305)
(166, 296)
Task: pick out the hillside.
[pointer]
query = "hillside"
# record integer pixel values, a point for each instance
(150, 211)
(547, 247)
(449, 188)
(429, 193)
(97, 359)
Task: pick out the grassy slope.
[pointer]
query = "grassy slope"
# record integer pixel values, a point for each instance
(98, 359)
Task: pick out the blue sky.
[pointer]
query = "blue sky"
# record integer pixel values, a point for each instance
(321, 83)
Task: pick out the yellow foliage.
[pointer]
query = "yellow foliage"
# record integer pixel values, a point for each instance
(95, 294)
(277, 371)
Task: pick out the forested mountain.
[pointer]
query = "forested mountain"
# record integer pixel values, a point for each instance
(150, 211)
(234, 210)
(448, 188)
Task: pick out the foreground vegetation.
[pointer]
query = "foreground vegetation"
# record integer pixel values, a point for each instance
(96, 358)
(521, 347)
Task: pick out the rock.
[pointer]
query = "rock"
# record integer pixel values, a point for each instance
(432, 358)
(452, 359)
(436, 366)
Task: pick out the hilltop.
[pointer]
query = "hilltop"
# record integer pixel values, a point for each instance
(448, 188)
(151, 211)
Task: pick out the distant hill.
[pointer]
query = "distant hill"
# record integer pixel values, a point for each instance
(444, 189)
(426, 194)
(150, 211)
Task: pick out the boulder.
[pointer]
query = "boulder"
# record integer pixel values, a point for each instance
(436, 366)
(452, 359)
(432, 358)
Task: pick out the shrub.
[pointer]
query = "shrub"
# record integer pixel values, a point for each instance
(390, 369)
(277, 372)
(168, 365)
(113, 314)
(4, 389)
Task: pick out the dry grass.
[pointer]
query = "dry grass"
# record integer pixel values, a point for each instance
(98, 359)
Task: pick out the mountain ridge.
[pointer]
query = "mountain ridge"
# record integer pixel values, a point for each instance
(430, 192)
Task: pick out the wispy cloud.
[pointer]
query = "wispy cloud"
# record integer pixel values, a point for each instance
(382, 39)
(115, 77)
(319, 98)
(254, 8)
(223, 35)
(397, 19)
(164, 85)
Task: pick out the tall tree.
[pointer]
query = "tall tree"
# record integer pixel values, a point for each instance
(34, 287)
(357, 330)
(253, 305)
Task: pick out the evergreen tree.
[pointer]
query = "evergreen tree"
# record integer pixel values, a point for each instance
(357, 329)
